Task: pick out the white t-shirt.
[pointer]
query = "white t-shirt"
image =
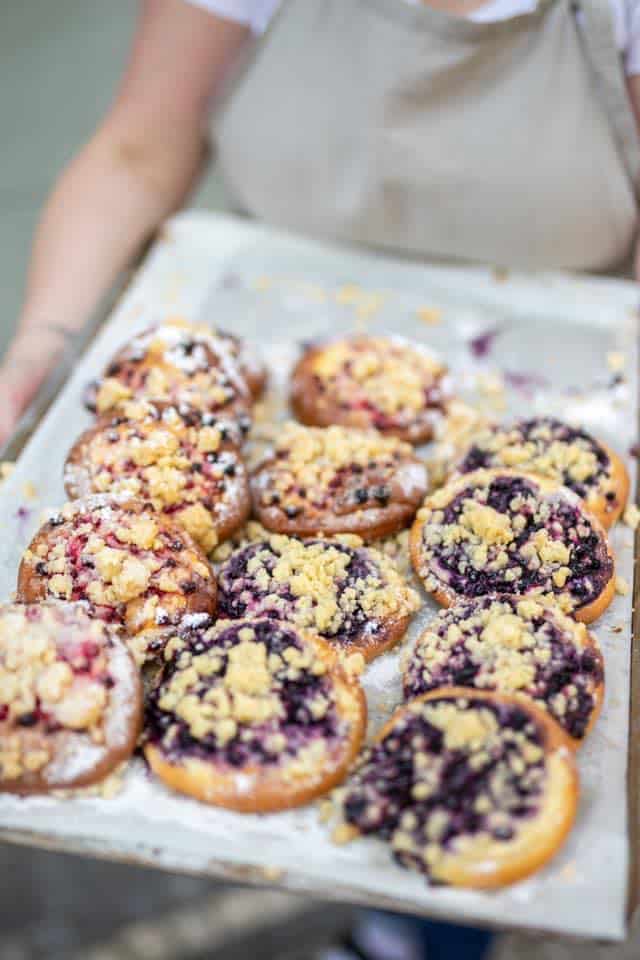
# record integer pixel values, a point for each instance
(626, 16)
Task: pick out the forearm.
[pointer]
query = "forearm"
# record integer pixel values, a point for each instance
(105, 205)
(138, 168)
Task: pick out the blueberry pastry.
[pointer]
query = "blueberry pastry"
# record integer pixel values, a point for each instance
(554, 449)
(394, 385)
(130, 565)
(186, 465)
(253, 715)
(353, 597)
(512, 645)
(498, 531)
(70, 698)
(178, 363)
(471, 789)
(337, 480)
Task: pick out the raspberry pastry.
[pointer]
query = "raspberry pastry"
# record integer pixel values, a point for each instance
(188, 467)
(497, 531)
(472, 789)
(353, 597)
(513, 645)
(337, 480)
(178, 363)
(70, 698)
(253, 715)
(389, 383)
(130, 565)
(565, 454)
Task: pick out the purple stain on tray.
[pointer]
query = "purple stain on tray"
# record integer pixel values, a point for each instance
(525, 383)
(634, 451)
(22, 516)
(230, 280)
(482, 344)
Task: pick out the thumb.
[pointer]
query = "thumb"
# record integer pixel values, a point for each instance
(29, 359)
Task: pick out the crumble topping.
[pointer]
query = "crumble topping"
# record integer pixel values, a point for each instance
(337, 468)
(453, 776)
(513, 646)
(175, 362)
(56, 674)
(182, 465)
(341, 592)
(244, 693)
(500, 533)
(548, 447)
(389, 378)
(126, 562)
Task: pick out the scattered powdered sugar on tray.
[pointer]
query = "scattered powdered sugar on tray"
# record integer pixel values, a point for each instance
(555, 329)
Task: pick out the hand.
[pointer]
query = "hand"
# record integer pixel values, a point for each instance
(30, 357)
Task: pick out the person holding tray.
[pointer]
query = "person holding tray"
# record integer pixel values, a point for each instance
(493, 130)
(502, 131)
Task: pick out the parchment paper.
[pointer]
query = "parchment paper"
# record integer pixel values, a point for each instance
(562, 345)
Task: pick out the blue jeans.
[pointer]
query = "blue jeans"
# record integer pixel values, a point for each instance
(398, 937)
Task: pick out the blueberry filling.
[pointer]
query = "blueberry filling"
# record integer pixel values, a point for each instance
(271, 741)
(415, 790)
(564, 677)
(590, 565)
(243, 594)
(542, 433)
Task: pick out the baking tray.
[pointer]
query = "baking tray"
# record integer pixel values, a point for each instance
(559, 344)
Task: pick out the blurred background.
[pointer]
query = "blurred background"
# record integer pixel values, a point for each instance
(59, 63)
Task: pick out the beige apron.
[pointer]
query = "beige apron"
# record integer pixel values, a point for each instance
(405, 128)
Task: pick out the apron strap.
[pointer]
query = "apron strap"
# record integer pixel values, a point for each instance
(595, 25)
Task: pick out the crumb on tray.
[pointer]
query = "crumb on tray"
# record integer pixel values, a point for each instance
(632, 516)
(429, 315)
(622, 587)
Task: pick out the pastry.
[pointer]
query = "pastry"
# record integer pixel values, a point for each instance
(130, 565)
(70, 698)
(512, 645)
(353, 597)
(253, 715)
(498, 531)
(251, 367)
(470, 788)
(553, 449)
(178, 363)
(394, 385)
(337, 480)
(187, 467)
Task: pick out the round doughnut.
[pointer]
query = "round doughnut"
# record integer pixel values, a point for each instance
(472, 789)
(512, 645)
(130, 565)
(188, 468)
(253, 715)
(70, 698)
(551, 448)
(394, 385)
(352, 597)
(499, 531)
(337, 480)
(176, 362)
